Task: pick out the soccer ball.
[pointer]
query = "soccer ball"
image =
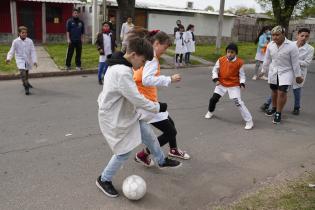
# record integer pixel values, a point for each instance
(134, 187)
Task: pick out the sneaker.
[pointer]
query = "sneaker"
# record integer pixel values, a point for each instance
(264, 107)
(27, 89)
(249, 125)
(144, 159)
(68, 68)
(100, 82)
(264, 78)
(78, 68)
(106, 187)
(170, 163)
(277, 118)
(296, 111)
(270, 112)
(254, 77)
(178, 154)
(209, 115)
(29, 85)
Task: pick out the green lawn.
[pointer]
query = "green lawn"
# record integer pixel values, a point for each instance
(89, 57)
(296, 195)
(6, 68)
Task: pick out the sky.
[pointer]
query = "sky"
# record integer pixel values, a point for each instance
(202, 4)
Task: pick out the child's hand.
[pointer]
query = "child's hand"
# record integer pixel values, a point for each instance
(100, 50)
(242, 85)
(35, 64)
(7, 61)
(175, 78)
(217, 83)
(299, 80)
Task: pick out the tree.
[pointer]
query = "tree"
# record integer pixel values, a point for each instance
(283, 9)
(240, 10)
(209, 8)
(308, 11)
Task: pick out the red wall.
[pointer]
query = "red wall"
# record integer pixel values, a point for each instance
(60, 27)
(5, 16)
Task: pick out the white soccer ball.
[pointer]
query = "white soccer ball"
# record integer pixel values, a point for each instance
(134, 187)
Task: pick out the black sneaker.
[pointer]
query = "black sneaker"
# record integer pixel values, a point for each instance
(277, 118)
(27, 90)
(296, 111)
(264, 107)
(270, 112)
(170, 163)
(29, 85)
(100, 82)
(106, 187)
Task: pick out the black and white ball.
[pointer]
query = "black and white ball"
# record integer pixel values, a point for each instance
(134, 187)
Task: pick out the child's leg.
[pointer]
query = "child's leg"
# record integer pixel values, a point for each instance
(257, 67)
(297, 98)
(213, 101)
(243, 109)
(186, 57)
(189, 57)
(169, 132)
(113, 166)
(180, 58)
(176, 58)
(23, 77)
(149, 139)
(101, 68)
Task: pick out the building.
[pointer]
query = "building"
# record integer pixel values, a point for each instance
(45, 19)
(164, 18)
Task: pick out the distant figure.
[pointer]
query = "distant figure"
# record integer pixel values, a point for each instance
(125, 28)
(190, 42)
(180, 48)
(75, 31)
(112, 23)
(176, 28)
(25, 56)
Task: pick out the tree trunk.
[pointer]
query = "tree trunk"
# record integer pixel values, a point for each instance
(126, 8)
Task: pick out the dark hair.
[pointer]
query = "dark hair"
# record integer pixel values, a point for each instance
(190, 26)
(75, 10)
(161, 37)
(301, 30)
(140, 46)
(232, 46)
(105, 22)
(261, 32)
(22, 28)
(181, 26)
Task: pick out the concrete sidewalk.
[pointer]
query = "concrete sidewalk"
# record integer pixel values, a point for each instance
(45, 62)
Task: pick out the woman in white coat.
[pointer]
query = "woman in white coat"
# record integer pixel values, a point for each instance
(180, 48)
(190, 42)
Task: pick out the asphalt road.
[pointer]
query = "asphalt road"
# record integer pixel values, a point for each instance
(51, 148)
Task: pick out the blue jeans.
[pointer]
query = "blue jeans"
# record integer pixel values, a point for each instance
(149, 139)
(268, 101)
(102, 67)
(297, 98)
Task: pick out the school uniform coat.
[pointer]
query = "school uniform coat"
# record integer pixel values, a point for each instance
(180, 43)
(100, 42)
(118, 119)
(190, 41)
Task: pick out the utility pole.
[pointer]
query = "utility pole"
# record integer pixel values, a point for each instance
(220, 25)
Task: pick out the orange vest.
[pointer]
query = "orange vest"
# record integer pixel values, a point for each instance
(150, 92)
(229, 71)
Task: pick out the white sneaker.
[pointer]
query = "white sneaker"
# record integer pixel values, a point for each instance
(254, 77)
(249, 125)
(264, 78)
(209, 115)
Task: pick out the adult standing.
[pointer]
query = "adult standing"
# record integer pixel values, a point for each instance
(125, 28)
(262, 41)
(75, 32)
(282, 60)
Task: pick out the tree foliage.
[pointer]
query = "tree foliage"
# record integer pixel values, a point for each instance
(241, 10)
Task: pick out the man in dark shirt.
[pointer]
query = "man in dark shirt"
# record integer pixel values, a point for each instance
(75, 31)
(112, 23)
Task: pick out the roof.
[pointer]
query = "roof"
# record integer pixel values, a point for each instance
(58, 1)
(150, 6)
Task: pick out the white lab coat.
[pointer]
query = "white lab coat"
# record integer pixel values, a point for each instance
(190, 43)
(282, 62)
(306, 53)
(118, 119)
(125, 28)
(24, 51)
(180, 43)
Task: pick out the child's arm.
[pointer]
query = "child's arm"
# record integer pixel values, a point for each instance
(266, 62)
(306, 62)
(33, 54)
(11, 52)
(129, 90)
(149, 78)
(242, 76)
(215, 71)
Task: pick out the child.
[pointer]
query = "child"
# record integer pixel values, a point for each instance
(229, 76)
(180, 48)
(190, 42)
(148, 78)
(118, 119)
(105, 44)
(25, 56)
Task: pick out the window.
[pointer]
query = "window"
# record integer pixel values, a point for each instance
(90, 9)
(79, 9)
(83, 9)
(53, 14)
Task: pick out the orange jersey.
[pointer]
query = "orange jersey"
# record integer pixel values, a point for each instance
(229, 71)
(150, 92)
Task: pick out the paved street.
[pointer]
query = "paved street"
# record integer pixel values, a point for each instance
(51, 148)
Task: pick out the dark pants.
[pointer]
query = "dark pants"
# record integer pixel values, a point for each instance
(213, 102)
(187, 57)
(169, 132)
(24, 77)
(77, 45)
(297, 98)
(180, 58)
(102, 67)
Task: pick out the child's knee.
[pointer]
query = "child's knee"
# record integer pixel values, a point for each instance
(215, 98)
(238, 102)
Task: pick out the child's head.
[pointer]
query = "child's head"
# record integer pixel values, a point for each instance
(190, 27)
(22, 32)
(181, 28)
(231, 51)
(160, 41)
(139, 50)
(303, 35)
(105, 26)
(129, 19)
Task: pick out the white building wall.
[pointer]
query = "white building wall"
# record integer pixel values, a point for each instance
(205, 24)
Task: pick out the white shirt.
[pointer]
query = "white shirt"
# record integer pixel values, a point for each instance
(125, 28)
(216, 69)
(190, 43)
(24, 51)
(282, 62)
(180, 47)
(306, 53)
(107, 47)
